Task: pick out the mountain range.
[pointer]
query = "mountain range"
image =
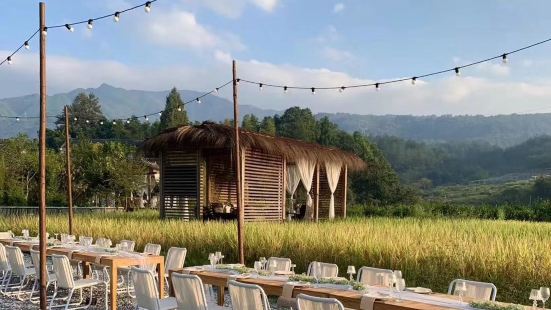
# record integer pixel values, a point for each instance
(501, 130)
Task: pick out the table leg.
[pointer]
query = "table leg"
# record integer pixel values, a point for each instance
(221, 295)
(161, 273)
(85, 270)
(113, 287)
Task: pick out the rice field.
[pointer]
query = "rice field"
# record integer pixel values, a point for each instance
(516, 256)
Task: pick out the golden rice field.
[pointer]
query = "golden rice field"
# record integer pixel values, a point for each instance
(516, 256)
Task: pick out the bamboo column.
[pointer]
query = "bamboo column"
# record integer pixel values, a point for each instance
(238, 171)
(317, 194)
(42, 158)
(69, 171)
(345, 190)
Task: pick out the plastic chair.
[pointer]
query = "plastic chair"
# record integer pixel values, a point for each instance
(247, 296)
(327, 270)
(128, 245)
(190, 292)
(151, 249)
(51, 278)
(5, 268)
(64, 276)
(18, 271)
(476, 290)
(281, 263)
(147, 296)
(175, 259)
(369, 276)
(306, 302)
(6, 235)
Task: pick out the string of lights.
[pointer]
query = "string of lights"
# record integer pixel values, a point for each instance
(457, 70)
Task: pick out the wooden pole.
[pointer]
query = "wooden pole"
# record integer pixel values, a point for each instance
(345, 189)
(42, 159)
(317, 195)
(237, 150)
(69, 171)
(284, 202)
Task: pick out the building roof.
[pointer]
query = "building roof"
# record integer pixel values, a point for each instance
(216, 136)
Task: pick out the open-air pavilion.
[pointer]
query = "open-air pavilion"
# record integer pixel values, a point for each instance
(198, 180)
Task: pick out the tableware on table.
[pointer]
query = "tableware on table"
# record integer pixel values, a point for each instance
(218, 256)
(212, 260)
(316, 272)
(351, 271)
(461, 289)
(272, 267)
(535, 296)
(545, 293)
(55, 235)
(263, 261)
(257, 266)
(400, 285)
(397, 274)
(293, 266)
(419, 290)
(25, 233)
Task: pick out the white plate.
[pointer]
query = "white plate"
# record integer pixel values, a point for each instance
(419, 290)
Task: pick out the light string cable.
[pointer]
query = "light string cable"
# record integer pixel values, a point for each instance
(413, 79)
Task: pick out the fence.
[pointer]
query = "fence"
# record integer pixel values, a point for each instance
(33, 210)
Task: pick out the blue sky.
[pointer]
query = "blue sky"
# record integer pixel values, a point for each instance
(188, 44)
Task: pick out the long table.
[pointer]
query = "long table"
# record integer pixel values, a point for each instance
(113, 262)
(350, 299)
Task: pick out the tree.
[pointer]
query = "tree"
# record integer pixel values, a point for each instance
(328, 132)
(174, 113)
(267, 126)
(85, 116)
(250, 123)
(298, 124)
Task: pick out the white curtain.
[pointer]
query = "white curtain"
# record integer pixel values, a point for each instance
(333, 172)
(306, 169)
(293, 179)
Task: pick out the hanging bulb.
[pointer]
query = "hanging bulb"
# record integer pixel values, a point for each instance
(145, 117)
(69, 27)
(9, 60)
(114, 122)
(26, 44)
(457, 73)
(128, 121)
(413, 80)
(87, 122)
(90, 24)
(216, 90)
(160, 113)
(237, 81)
(17, 119)
(198, 100)
(377, 86)
(504, 59)
(101, 122)
(285, 90)
(341, 89)
(117, 17)
(147, 7)
(75, 119)
(179, 108)
(45, 30)
(313, 90)
(260, 86)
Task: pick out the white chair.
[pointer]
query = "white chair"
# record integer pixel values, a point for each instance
(64, 276)
(175, 259)
(306, 302)
(83, 240)
(4, 268)
(325, 270)
(6, 235)
(18, 271)
(476, 290)
(35, 258)
(190, 292)
(370, 276)
(149, 249)
(128, 245)
(281, 264)
(147, 295)
(247, 296)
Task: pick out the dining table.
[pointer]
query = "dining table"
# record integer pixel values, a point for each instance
(99, 256)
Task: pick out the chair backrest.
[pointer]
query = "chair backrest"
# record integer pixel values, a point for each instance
(35, 258)
(306, 302)
(175, 258)
(6, 235)
(145, 289)
(63, 271)
(281, 263)
(16, 260)
(4, 264)
(189, 292)
(153, 249)
(247, 296)
(369, 276)
(103, 242)
(83, 240)
(128, 244)
(476, 290)
(326, 270)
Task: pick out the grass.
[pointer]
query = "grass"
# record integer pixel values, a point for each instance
(430, 252)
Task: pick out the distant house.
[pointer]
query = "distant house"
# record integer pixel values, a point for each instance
(197, 174)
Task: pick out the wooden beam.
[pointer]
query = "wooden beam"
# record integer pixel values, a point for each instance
(161, 185)
(317, 194)
(68, 171)
(238, 171)
(345, 189)
(42, 157)
(284, 203)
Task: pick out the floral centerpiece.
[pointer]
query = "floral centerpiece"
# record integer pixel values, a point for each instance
(488, 305)
(357, 286)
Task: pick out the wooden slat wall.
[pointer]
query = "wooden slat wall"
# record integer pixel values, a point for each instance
(264, 192)
(325, 195)
(221, 177)
(179, 185)
(203, 192)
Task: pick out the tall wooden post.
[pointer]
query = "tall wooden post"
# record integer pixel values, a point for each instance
(42, 158)
(317, 195)
(238, 171)
(345, 190)
(69, 171)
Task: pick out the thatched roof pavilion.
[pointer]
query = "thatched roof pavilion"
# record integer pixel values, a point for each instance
(197, 172)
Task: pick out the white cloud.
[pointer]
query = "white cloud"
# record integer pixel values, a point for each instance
(223, 56)
(336, 55)
(328, 35)
(338, 7)
(235, 8)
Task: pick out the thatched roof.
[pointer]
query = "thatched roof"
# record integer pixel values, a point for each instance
(210, 135)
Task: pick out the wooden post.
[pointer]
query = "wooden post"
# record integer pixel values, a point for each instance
(69, 172)
(237, 156)
(42, 158)
(317, 194)
(345, 189)
(284, 190)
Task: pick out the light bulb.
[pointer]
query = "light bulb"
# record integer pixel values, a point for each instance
(76, 119)
(101, 122)
(216, 90)
(128, 121)
(198, 100)
(160, 113)
(17, 119)
(9, 60)
(341, 89)
(114, 122)
(117, 17)
(260, 86)
(87, 122)
(237, 81)
(457, 73)
(504, 59)
(313, 90)
(69, 27)
(145, 116)
(26, 44)
(90, 24)
(285, 90)
(147, 7)
(413, 80)
(45, 30)
(179, 109)
(377, 86)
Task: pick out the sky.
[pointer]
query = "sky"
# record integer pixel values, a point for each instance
(190, 44)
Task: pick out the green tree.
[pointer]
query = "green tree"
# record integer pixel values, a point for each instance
(328, 132)
(267, 126)
(85, 116)
(250, 123)
(174, 113)
(298, 124)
